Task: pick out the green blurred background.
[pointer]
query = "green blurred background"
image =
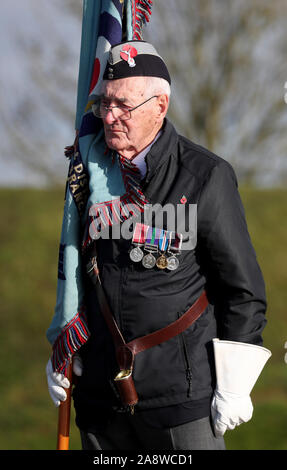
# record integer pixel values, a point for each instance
(30, 232)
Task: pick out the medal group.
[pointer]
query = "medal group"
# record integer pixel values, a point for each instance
(155, 247)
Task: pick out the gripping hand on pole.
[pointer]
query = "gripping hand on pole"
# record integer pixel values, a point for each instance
(58, 384)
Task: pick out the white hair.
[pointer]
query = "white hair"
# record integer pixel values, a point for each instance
(157, 86)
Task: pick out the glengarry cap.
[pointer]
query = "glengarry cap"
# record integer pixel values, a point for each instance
(135, 59)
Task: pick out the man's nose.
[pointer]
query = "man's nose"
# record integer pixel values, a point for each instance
(109, 118)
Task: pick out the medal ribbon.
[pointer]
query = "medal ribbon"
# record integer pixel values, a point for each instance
(163, 240)
(155, 238)
(140, 232)
(175, 242)
(151, 240)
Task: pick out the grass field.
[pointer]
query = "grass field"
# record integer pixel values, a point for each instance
(30, 230)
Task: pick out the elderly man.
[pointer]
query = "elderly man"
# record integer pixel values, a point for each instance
(195, 383)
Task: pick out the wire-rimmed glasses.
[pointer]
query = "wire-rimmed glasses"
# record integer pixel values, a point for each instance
(101, 109)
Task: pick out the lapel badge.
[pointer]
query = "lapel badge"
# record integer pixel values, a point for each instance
(183, 200)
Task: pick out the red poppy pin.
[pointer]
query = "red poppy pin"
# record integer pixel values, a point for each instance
(128, 53)
(183, 200)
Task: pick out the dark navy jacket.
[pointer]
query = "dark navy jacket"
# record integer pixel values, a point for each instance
(143, 300)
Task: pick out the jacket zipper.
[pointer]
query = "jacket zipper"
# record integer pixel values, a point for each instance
(122, 280)
(122, 285)
(188, 373)
(188, 369)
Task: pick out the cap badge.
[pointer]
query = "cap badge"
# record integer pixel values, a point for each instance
(128, 53)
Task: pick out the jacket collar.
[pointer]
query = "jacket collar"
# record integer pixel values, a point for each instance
(161, 149)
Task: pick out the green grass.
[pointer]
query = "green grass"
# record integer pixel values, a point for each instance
(30, 231)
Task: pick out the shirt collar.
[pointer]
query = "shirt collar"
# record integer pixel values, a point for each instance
(139, 160)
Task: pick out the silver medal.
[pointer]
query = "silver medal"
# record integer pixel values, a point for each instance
(172, 263)
(136, 254)
(149, 261)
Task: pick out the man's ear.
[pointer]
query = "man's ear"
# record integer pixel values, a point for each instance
(163, 102)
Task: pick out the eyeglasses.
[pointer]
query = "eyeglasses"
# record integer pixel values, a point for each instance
(100, 109)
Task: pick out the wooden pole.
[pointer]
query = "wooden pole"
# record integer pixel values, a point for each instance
(64, 416)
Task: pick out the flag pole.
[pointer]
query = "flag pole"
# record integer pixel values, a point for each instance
(64, 413)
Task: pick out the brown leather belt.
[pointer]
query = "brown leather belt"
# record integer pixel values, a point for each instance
(125, 352)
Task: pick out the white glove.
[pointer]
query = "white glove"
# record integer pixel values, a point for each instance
(238, 366)
(229, 410)
(57, 382)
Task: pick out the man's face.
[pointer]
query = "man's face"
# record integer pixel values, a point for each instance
(129, 137)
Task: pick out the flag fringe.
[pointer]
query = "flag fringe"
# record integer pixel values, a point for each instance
(141, 15)
(69, 341)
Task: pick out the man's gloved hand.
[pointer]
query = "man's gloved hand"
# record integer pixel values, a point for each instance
(57, 382)
(238, 366)
(228, 410)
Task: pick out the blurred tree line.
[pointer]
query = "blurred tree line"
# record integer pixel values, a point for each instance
(228, 62)
(228, 65)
